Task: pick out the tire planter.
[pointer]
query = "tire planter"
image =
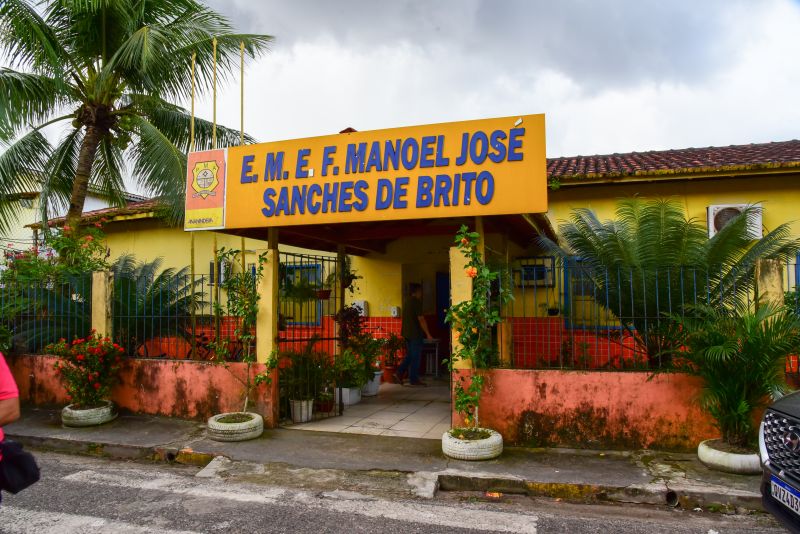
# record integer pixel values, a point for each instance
(301, 410)
(235, 431)
(473, 449)
(350, 396)
(371, 388)
(75, 417)
(729, 462)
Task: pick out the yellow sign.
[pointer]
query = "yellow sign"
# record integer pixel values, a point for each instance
(480, 167)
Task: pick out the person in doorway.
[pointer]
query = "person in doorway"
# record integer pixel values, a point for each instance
(9, 400)
(414, 330)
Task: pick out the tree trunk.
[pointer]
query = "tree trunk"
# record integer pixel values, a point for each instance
(82, 175)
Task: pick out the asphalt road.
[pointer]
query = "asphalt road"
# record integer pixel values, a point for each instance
(83, 495)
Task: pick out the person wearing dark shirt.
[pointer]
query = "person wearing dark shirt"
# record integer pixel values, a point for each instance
(414, 330)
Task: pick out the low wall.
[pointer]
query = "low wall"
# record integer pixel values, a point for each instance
(594, 410)
(185, 389)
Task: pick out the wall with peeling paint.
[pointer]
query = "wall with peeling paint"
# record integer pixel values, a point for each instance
(594, 410)
(185, 389)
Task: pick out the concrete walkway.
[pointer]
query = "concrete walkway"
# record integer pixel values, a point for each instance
(639, 476)
(399, 411)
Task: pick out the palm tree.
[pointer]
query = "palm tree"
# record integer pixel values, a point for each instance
(652, 260)
(111, 70)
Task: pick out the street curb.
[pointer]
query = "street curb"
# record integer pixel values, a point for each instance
(664, 493)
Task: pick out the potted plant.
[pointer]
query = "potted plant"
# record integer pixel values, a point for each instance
(473, 321)
(301, 378)
(740, 355)
(323, 403)
(324, 293)
(350, 377)
(551, 309)
(88, 368)
(347, 275)
(392, 346)
(370, 348)
(242, 302)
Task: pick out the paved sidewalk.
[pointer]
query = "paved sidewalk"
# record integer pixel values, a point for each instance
(641, 476)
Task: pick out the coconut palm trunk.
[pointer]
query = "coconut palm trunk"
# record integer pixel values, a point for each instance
(108, 72)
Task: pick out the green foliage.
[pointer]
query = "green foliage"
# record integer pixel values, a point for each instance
(651, 258)
(308, 372)
(350, 370)
(392, 345)
(88, 367)
(6, 339)
(110, 71)
(143, 290)
(241, 289)
(740, 354)
(473, 322)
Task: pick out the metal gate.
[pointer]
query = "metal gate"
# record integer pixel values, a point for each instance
(309, 296)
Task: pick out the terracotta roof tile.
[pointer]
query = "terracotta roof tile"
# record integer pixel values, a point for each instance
(680, 161)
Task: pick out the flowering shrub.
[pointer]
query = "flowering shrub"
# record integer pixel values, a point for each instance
(473, 321)
(350, 369)
(88, 368)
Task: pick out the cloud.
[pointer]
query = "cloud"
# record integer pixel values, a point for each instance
(621, 77)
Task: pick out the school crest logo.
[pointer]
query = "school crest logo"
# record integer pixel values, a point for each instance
(205, 179)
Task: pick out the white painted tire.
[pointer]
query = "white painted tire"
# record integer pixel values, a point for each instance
(476, 449)
(235, 431)
(71, 416)
(741, 464)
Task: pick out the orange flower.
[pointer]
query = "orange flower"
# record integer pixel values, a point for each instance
(464, 241)
(472, 272)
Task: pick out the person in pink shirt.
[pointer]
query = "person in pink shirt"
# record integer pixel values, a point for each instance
(9, 398)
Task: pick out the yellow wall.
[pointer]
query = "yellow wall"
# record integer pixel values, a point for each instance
(779, 195)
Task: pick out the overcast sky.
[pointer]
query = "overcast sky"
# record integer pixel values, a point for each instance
(611, 76)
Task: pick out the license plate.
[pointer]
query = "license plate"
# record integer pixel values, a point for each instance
(786, 494)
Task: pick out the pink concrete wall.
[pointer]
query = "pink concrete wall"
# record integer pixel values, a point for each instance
(186, 389)
(595, 410)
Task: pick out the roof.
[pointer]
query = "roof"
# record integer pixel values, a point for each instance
(752, 157)
(133, 208)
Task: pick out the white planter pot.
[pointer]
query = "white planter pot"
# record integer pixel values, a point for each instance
(350, 396)
(235, 431)
(473, 449)
(71, 416)
(301, 410)
(729, 462)
(371, 388)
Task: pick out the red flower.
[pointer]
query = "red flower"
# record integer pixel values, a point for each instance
(80, 357)
(472, 272)
(464, 241)
(97, 385)
(67, 228)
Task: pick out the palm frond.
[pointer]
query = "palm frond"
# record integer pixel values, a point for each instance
(107, 172)
(27, 100)
(26, 40)
(21, 165)
(58, 176)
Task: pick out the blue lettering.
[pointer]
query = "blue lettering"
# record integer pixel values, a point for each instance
(485, 181)
(345, 192)
(400, 192)
(360, 192)
(426, 152)
(469, 178)
(269, 203)
(456, 188)
(443, 185)
(354, 162)
(424, 196)
(302, 161)
(499, 147)
(327, 158)
(410, 153)
(247, 168)
(441, 160)
(329, 194)
(299, 199)
(283, 202)
(462, 158)
(391, 154)
(514, 143)
(374, 161)
(273, 169)
(478, 155)
(313, 205)
(383, 194)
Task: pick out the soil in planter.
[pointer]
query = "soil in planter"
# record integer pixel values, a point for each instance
(720, 445)
(469, 434)
(88, 406)
(235, 418)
